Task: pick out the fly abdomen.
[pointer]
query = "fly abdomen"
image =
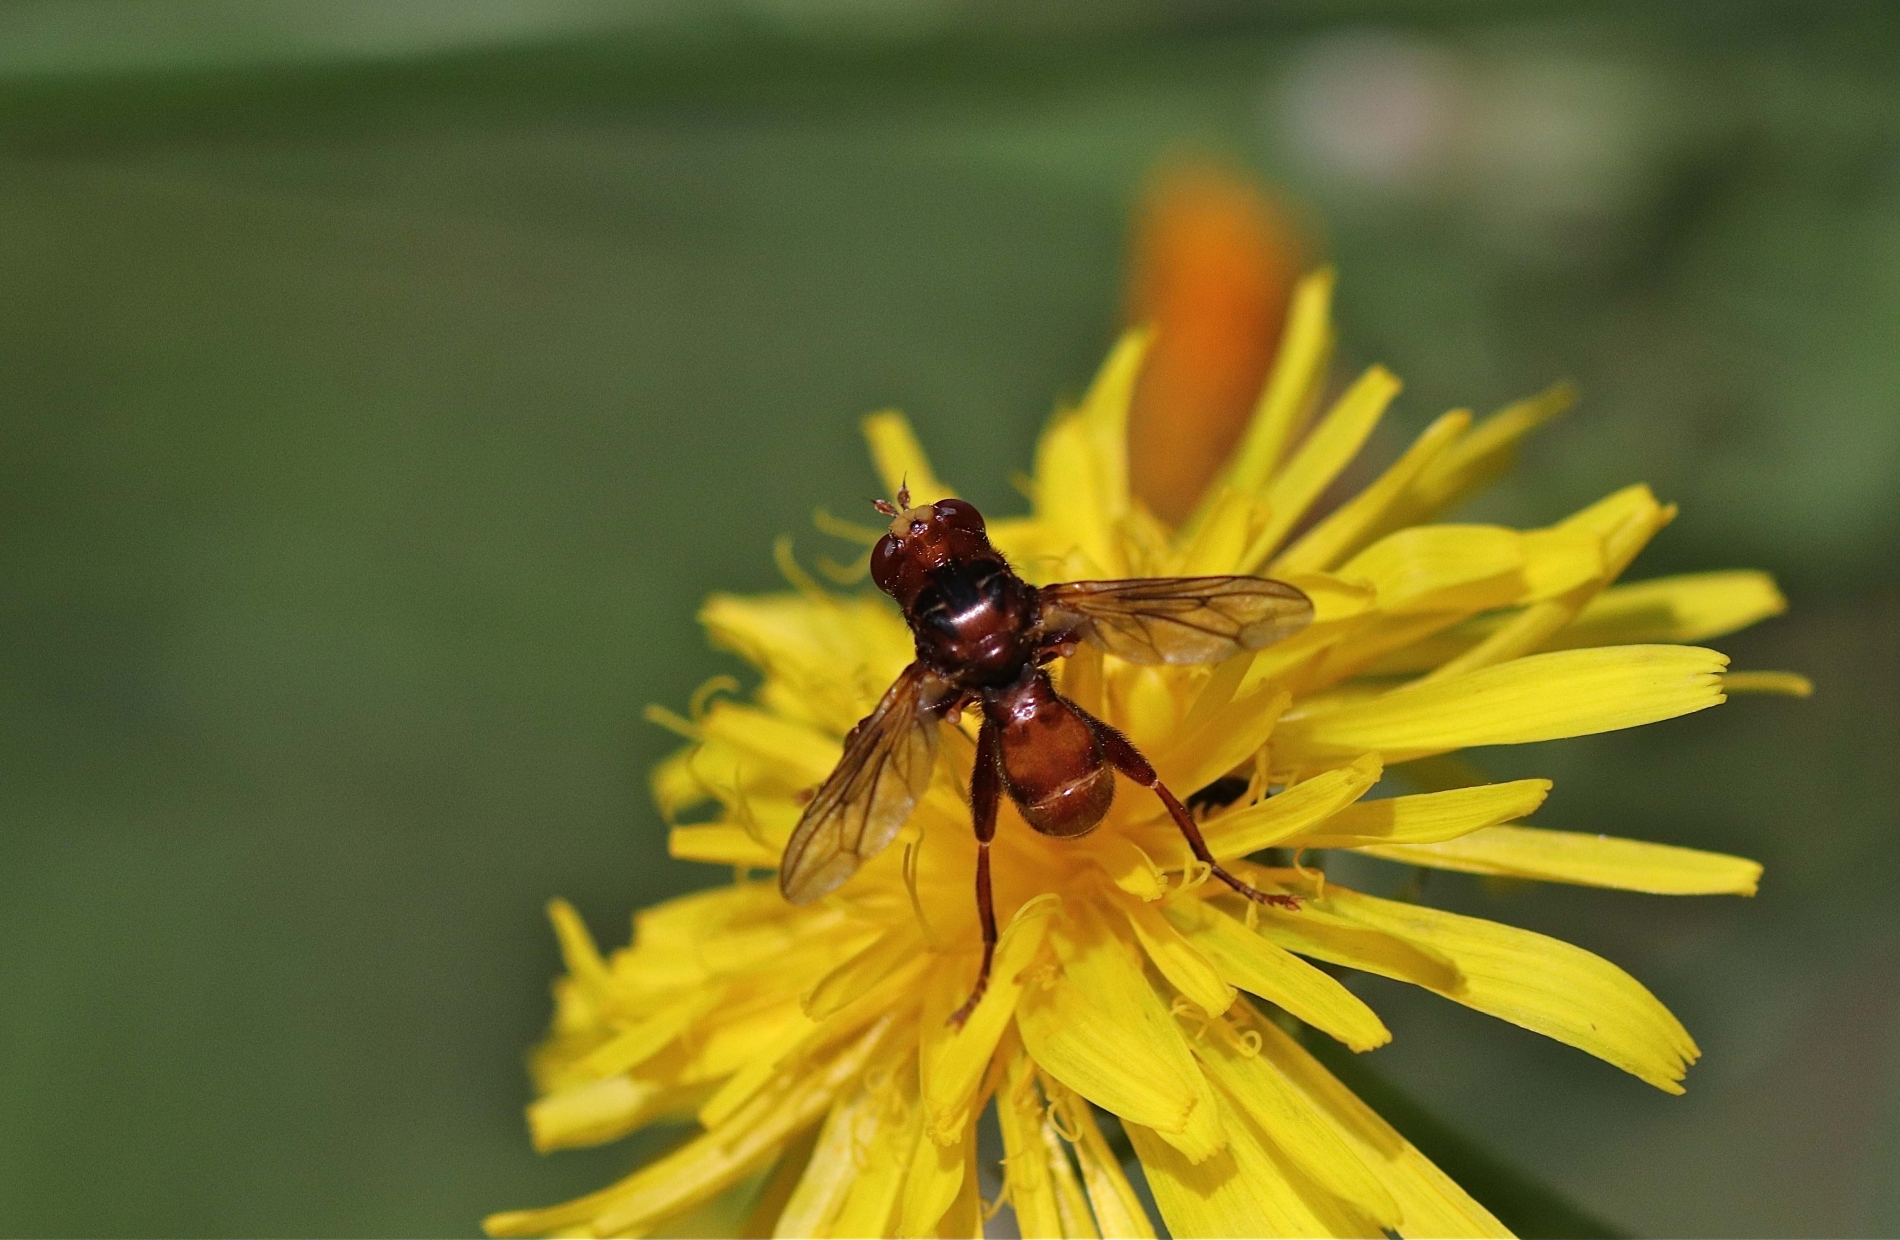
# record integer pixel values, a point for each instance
(1054, 765)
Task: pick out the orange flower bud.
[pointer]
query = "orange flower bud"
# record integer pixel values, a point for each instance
(1214, 261)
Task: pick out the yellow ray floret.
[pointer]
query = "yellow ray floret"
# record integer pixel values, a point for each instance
(1591, 860)
(1540, 983)
(1536, 698)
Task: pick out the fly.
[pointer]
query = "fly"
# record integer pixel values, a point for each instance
(985, 638)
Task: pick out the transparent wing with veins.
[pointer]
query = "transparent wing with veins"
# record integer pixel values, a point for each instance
(1176, 619)
(888, 758)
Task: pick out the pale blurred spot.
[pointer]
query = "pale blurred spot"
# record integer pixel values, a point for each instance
(1550, 152)
(1379, 109)
(1562, 152)
(1214, 261)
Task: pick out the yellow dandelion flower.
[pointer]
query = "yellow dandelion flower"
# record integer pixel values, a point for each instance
(811, 1046)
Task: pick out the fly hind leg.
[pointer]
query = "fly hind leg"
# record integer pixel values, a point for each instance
(1125, 758)
(986, 786)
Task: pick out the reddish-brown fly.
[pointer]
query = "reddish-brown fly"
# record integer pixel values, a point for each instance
(985, 637)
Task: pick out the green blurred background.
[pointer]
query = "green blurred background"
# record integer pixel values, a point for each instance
(382, 385)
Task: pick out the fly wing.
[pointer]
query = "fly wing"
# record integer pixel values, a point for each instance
(861, 805)
(1176, 619)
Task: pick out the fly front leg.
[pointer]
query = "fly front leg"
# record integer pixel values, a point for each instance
(954, 706)
(986, 786)
(1053, 646)
(1124, 757)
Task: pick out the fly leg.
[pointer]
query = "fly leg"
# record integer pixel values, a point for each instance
(1125, 758)
(986, 786)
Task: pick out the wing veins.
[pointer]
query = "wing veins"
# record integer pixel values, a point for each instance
(1177, 619)
(866, 799)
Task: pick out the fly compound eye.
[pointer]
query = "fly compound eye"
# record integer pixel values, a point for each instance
(961, 515)
(884, 564)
